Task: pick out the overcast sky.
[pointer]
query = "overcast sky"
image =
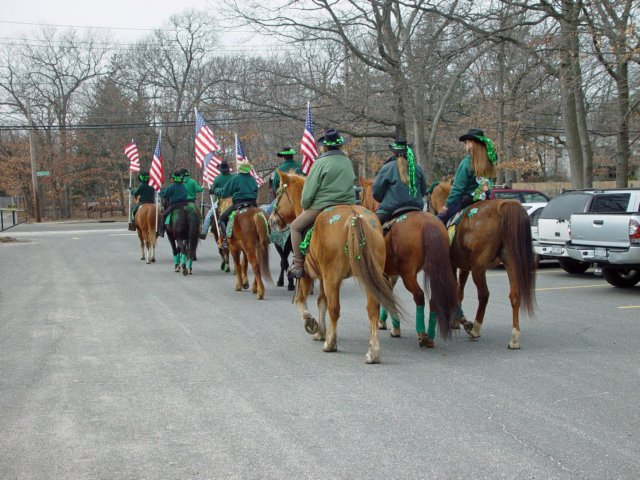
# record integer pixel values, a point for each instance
(122, 16)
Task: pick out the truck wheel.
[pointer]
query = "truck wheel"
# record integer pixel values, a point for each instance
(621, 277)
(570, 265)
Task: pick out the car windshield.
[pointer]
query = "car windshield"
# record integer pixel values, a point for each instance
(563, 206)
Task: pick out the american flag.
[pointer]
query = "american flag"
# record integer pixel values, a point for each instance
(157, 170)
(241, 156)
(211, 163)
(131, 151)
(205, 141)
(308, 145)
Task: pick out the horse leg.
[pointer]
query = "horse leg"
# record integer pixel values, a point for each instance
(463, 276)
(373, 354)
(322, 313)
(480, 279)
(244, 271)
(514, 297)
(304, 288)
(332, 294)
(411, 283)
(141, 243)
(176, 253)
(395, 322)
(237, 267)
(283, 269)
(258, 285)
(287, 251)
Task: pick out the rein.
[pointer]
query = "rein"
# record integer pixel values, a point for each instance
(281, 191)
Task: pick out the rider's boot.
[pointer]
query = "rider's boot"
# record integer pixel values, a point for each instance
(297, 269)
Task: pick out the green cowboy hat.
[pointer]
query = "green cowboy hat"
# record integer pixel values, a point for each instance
(286, 152)
(331, 138)
(478, 135)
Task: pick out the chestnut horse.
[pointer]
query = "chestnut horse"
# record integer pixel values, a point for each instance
(146, 220)
(249, 243)
(489, 232)
(347, 241)
(438, 196)
(419, 241)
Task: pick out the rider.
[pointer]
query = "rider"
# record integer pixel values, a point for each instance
(175, 195)
(191, 185)
(473, 180)
(216, 189)
(243, 189)
(400, 182)
(288, 164)
(145, 193)
(329, 182)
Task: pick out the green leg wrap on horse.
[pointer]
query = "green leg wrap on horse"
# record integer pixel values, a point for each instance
(190, 264)
(176, 259)
(459, 312)
(183, 258)
(420, 319)
(431, 332)
(395, 322)
(383, 314)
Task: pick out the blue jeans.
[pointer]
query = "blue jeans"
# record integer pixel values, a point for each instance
(463, 202)
(207, 221)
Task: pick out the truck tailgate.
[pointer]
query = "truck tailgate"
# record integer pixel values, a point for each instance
(599, 229)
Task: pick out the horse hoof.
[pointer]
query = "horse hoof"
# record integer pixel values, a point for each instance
(260, 296)
(395, 333)
(382, 325)
(176, 268)
(329, 348)
(455, 325)
(318, 337)
(227, 269)
(291, 287)
(425, 341)
(513, 347)
(280, 283)
(310, 325)
(238, 289)
(153, 260)
(190, 271)
(245, 286)
(371, 360)
(142, 258)
(184, 272)
(222, 266)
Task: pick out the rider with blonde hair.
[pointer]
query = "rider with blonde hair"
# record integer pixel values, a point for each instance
(474, 178)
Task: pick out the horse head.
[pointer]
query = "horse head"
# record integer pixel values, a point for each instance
(367, 200)
(288, 200)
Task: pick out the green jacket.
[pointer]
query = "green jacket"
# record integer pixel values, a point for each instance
(465, 182)
(192, 189)
(175, 193)
(219, 182)
(392, 194)
(145, 193)
(286, 167)
(241, 187)
(329, 182)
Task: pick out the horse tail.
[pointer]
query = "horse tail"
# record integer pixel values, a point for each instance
(516, 240)
(194, 231)
(262, 247)
(365, 264)
(439, 273)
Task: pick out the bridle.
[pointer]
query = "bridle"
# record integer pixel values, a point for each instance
(282, 190)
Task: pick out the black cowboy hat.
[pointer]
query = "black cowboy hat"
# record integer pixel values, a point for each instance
(399, 145)
(472, 134)
(286, 152)
(331, 138)
(224, 167)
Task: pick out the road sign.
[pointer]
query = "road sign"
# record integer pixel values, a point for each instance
(42, 174)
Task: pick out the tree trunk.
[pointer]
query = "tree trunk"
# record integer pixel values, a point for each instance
(622, 138)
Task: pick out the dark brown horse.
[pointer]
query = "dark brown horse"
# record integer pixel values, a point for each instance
(418, 241)
(249, 243)
(489, 232)
(146, 221)
(222, 205)
(347, 241)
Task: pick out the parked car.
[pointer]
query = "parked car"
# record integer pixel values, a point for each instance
(553, 225)
(522, 195)
(534, 210)
(609, 237)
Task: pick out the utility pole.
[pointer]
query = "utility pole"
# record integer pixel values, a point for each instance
(34, 178)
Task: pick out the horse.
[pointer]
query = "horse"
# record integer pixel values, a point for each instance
(418, 241)
(183, 233)
(145, 220)
(347, 241)
(284, 251)
(438, 196)
(491, 231)
(223, 204)
(249, 243)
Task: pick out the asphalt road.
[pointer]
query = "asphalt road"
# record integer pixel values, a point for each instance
(114, 369)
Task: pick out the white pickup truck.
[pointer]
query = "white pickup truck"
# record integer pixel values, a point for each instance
(610, 238)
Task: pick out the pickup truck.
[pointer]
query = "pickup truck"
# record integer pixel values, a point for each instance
(610, 237)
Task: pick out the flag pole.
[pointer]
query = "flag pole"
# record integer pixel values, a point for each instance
(129, 210)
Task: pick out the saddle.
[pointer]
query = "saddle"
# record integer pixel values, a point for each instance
(397, 216)
(452, 224)
(242, 205)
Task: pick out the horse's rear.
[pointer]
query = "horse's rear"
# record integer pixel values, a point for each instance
(249, 244)
(146, 221)
(184, 233)
(492, 231)
(347, 241)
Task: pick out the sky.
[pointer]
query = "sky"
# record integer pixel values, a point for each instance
(127, 19)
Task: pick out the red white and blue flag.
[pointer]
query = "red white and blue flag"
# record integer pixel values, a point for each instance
(308, 145)
(205, 141)
(240, 156)
(157, 169)
(211, 171)
(131, 151)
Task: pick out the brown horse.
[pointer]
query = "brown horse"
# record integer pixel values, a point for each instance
(438, 196)
(146, 220)
(249, 243)
(418, 241)
(493, 231)
(347, 241)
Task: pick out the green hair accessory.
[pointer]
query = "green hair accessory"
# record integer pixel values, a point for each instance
(339, 141)
(491, 150)
(413, 191)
